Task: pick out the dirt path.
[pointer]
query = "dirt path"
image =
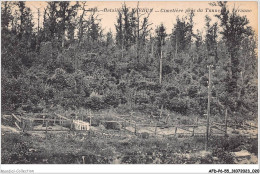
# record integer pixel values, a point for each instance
(200, 130)
(8, 129)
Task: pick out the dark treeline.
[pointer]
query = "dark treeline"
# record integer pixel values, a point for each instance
(70, 63)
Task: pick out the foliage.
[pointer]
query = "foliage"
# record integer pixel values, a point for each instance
(50, 67)
(21, 154)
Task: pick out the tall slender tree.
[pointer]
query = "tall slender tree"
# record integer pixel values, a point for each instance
(6, 16)
(181, 37)
(235, 29)
(211, 40)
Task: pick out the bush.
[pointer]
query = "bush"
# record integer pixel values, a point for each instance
(178, 105)
(192, 91)
(14, 92)
(145, 135)
(112, 125)
(140, 99)
(253, 146)
(7, 121)
(173, 91)
(154, 86)
(111, 100)
(15, 149)
(224, 157)
(95, 103)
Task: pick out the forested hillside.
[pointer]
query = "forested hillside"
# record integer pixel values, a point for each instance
(69, 63)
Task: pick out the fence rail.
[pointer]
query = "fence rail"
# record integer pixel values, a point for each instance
(16, 117)
(136, 123)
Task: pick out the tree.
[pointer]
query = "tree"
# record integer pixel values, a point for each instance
(65, 13)
(119, 30)
(50, 26)
(211, 40)
(124, 27)
(89, 28)
(181, 37)
(235, 29)
(6, 16)
(141, 28)
(94, 30)
(58, 21)
(109, 39)
(132, 29)
(160, 36)
(26, 24)
(198, 39)
(81, 22)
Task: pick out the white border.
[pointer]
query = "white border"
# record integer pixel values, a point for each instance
(131, 168)
(125, 168)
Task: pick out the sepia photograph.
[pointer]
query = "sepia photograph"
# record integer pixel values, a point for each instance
(129, 82)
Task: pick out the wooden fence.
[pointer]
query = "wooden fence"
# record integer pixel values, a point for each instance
(130, 123)
(44, 123)
(18, 121)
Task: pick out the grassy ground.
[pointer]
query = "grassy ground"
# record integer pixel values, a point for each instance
(103, 146)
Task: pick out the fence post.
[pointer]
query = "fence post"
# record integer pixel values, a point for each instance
(32, 124)
(83, 159)
(90, 120)
(61, 124)
(193, 131)
(151, 117)
(23, 126)
(155, 131)
(71, 124)
(43, 121)
(135, 129)
(167, 118)
(226, 122)
(210, 131)
(175, 133)
(131, 116)
(161, 112)
(46, 124)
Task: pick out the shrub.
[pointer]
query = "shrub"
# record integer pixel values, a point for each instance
(253, 146)
(224, 157)
(140, 99)
(95, 103)
(192, 91)
(112, 125)
(178, 105)
(154, 86)
(15, 149)
(145, 135)
(173, 91)
(111, 100)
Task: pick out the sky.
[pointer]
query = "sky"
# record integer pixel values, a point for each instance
(164, 12)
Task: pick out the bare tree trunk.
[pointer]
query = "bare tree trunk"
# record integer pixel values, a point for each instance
(176, 49)
(81, 23)
(160, 79)
(208, 110)
(138, 33)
